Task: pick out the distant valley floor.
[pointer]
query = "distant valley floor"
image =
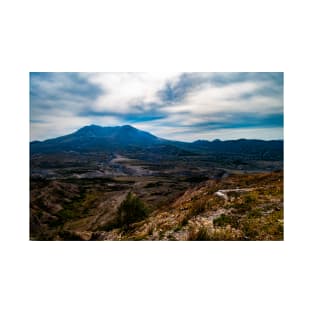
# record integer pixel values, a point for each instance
(115, 196)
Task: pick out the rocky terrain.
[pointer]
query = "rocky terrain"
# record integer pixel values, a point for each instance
(253, 209)
(154, 191)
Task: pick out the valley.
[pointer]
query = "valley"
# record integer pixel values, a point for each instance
(158, 190)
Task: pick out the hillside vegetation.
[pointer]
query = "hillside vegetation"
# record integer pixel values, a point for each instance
(251, 210)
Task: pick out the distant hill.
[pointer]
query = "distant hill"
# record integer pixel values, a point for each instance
(95, 138)
(271, 149)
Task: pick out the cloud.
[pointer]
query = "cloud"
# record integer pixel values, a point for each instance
(129, 92)
(171, 105)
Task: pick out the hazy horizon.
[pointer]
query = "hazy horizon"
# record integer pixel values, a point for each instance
(174, 106)
(235, 138)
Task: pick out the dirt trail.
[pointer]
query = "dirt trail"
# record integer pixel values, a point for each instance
(236, 190)
(223, 193)
(128, 166)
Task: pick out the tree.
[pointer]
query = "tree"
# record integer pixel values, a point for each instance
(131, 210)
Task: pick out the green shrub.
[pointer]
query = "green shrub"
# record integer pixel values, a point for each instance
(198, 206)
(131, 210)
(254, 213)
(268, 227)
(250, 198)
(224, 220)
(202, 234)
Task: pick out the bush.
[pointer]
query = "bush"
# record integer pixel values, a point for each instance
(131, 210)
(268, 227)
(250, 198)
(224, 220)
(201, 234)
(198, 206)
(204, 234)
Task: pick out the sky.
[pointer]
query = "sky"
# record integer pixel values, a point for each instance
(179, 106)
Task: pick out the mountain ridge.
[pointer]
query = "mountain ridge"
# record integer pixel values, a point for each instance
(93, 126)
(94, 138)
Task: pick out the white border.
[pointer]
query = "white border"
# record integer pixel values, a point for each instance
(155, 36)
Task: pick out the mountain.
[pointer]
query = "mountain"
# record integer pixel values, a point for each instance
(123, 135)
(271, 149)
(96, 138)
(126, 138)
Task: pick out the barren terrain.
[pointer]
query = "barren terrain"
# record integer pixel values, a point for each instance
(77, 197)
